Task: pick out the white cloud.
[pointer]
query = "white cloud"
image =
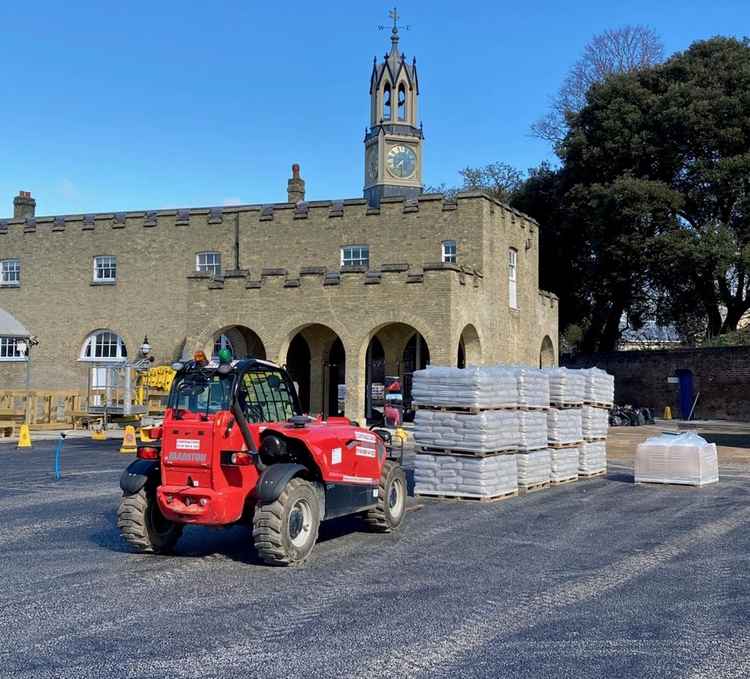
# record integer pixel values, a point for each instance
(232, 201)
(68, 189)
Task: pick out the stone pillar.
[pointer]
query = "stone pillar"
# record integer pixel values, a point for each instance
(317, 380)
(295, 187)
(24, 206)
(354, 407)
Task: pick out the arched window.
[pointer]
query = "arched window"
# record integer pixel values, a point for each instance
(102, 346)
(401, 102)
(222, 342)
(513, 278)
(387, 102)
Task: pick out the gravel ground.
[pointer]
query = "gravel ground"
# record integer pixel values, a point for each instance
(595, 579)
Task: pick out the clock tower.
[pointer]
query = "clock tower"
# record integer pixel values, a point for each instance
(393, 142)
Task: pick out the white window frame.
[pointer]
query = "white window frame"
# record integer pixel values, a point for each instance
(102, 264)
(96, 342)
(202, 264)
(513, 278)
(449, 257)
(9, 349)
(10, 272)
(360, 258)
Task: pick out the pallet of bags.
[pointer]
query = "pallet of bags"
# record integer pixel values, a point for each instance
(594, 422)
(467, 477)
(465, 387)
(677, 458)
(485, 432)
(592, 459)
(532, 429)
(599, 387)
(564, 425)
(566, 387)
(534, 469)
(563, 465)
(533, 388)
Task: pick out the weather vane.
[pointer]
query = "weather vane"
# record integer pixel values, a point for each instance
(394, 15)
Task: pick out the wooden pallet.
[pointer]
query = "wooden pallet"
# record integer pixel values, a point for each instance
(562, 482)
(450, 495)
(598, 404)
(523, 451)
(591, 475)
(461, 453)
(532, 408)
(594, 439)
(533, 487)
(565, 406)
(561, 446)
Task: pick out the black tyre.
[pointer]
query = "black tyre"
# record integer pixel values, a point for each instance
(391, 509)
(143, 526)
(286, 530)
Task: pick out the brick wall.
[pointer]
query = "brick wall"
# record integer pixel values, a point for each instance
(721, 375)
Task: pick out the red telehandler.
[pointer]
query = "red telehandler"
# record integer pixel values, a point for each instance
(235, 447)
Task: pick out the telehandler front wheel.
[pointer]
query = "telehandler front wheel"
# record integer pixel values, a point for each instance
(143, 526)
(389, 513)
(286, 530)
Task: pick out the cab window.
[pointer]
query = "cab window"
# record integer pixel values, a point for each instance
(265, 397)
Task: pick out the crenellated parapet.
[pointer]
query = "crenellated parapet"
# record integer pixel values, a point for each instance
(321, 276)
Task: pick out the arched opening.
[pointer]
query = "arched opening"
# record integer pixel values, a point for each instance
(298, 365)
(316, 361)
(401, 102)
(394, 352)
(469, 347)
(240, 340)
(387, 105)
(547, 353)
(104, 350)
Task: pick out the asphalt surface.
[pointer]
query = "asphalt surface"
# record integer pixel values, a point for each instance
(594, 579)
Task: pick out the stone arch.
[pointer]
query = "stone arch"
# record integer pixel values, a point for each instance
(315, 356)
(242, 341)
(403, 349)
(547, 353)
(469, 347)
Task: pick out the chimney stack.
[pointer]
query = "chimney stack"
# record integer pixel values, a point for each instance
(24, 206)
(295, 187)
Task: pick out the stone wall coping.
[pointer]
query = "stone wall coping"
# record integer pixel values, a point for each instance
(449, 202)
(550, 295)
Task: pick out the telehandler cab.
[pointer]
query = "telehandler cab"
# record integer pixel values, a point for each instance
(235, 447)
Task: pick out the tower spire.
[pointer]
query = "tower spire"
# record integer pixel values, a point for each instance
(393, 14)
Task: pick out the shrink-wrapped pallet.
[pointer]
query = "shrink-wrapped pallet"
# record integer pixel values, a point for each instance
(465, 476)
(563, 463)
(468, 387)
(599, 386)
(594, 422)
(532, 426)
(534, 467)
(593, 457)
(565, 386)
(533, 387)
(564, 425)
(484, 432)
(684, 458)
(480, 387)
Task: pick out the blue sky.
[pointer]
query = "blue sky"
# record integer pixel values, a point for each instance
(119, 106)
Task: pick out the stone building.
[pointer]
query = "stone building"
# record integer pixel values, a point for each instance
(345, 292)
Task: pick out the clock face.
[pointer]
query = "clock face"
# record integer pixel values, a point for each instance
(402, 161)
(372, 164)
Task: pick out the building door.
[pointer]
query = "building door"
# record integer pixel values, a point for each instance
(686, 392)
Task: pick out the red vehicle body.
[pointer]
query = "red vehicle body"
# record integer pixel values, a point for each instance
(234, 447)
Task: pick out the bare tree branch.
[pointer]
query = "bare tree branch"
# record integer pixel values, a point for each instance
(620, 50)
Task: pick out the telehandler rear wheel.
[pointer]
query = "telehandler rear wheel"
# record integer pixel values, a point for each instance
(143, 526)
(286, 530)
(389, 513)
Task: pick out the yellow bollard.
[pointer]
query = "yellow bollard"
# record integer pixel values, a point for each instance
(667, 413)
(145, 438)
(24, 439)
(128, 440)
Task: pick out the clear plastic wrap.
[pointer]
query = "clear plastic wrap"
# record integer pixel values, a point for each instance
(593, 457)
(532, 426)
(595, 422)
(469, 476)
(685, 459)
(534, 467)
(484, 432)
(564, 425)
(564, 463)
(565, 386)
